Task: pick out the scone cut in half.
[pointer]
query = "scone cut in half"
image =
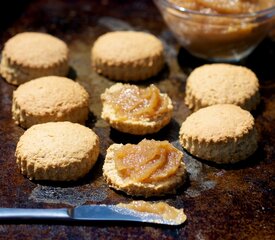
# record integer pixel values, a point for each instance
(57, 151)
(49, 99)
(131, 109)
(30, 55)
(221, 83)
(150, 168)
(222, 133)
(127, 55)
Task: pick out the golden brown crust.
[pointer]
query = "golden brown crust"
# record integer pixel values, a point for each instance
(49, 99)
(222, 133)
(222, 84)
(61, 151)
(127, 55)
(137, 127)
(31, 55)
(131, 187)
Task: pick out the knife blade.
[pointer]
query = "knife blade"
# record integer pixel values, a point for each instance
(84, 213)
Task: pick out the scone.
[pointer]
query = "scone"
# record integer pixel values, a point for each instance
(222, 84)
(49, 99)
(135, 110)
(222, 133)
(127, 55)
(151, 168)
(57, 151)
(31, 55)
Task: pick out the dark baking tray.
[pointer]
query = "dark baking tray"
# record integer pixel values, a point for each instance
(221, 202)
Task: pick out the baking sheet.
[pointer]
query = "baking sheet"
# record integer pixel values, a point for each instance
(221, 201)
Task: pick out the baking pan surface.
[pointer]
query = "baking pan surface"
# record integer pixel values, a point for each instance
(220, 201)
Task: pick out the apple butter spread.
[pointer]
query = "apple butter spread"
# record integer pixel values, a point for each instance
(211, 29)
(224, 6)
(149, 161)
(132, 102)
(161, 208)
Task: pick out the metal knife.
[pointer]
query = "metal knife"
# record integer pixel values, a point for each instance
(96, 213)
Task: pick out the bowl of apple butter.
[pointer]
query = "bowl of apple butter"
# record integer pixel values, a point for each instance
(219, 30)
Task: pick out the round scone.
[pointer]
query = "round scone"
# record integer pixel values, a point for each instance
(135, 110)
(222, 133)
(150, 168)
(49, 99)
(127, 55)
(57, 151)
(221, 83)
(31, 55)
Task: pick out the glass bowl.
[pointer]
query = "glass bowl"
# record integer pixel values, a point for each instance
(217, 37)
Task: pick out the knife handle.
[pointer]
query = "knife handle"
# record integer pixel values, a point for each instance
(29, 213)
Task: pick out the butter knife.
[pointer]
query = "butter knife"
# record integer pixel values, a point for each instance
(97, 213)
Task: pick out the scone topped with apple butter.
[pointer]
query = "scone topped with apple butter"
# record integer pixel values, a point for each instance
(131, 109)
(150, 168)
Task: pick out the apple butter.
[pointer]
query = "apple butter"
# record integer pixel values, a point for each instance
(132, 102)
(161, 208)
(148, 161)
